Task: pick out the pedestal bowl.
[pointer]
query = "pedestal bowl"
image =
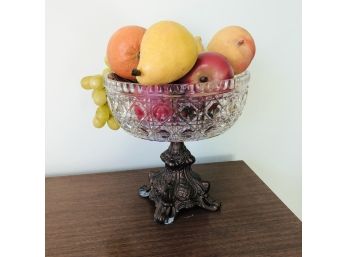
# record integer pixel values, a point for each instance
(177, 113)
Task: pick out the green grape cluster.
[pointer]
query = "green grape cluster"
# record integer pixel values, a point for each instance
(103, 113)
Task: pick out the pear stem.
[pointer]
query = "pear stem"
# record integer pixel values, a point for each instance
(136, 72)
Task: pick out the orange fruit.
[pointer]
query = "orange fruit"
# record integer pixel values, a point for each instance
(123, 50)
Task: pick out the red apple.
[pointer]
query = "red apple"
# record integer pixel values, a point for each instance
(162, 111)
(139, 112)
(209, 66)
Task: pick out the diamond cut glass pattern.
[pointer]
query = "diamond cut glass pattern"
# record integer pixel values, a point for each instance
(177, 112)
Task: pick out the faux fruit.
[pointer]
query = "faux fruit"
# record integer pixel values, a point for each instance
(113, 123)
(236, 44)
(98, 123)
(167, 52)
(96, 82)
(92, 82)
(123, 50)
(162, 111)
(103, 113)
(85, 82)
(209, 66)
(139, 112)
(99, 96)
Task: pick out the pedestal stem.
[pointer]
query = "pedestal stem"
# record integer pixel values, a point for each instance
(177, 187)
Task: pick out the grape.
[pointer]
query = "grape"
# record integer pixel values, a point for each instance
(113, 123)
(103, 112)
(106, 71)
(98, 123)
(96, 82)
(99, 96)
(85, 82)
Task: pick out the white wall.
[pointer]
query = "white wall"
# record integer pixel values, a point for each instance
(268, 134)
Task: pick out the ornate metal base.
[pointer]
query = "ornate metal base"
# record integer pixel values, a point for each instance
(176, 186)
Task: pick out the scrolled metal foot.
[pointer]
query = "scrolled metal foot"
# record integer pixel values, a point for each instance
(206, 186)
(209, 204)
(144, 191)
(164, 213)
(177, 187)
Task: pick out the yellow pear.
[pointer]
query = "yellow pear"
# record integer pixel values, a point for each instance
(167, 52)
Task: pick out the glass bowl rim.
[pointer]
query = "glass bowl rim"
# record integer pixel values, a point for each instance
(244, 75)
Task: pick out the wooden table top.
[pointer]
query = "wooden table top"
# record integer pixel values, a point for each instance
(102, 215)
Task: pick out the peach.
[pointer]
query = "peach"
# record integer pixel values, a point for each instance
(236, 44)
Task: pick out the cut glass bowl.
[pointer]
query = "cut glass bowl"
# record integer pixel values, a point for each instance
(177, 112)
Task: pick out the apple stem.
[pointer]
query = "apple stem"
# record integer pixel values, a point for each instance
(203, 79)
(136, 72)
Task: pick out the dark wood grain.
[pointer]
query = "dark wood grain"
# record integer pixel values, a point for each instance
(102, 215)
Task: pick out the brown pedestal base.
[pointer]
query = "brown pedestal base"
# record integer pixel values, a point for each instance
(177, 187)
